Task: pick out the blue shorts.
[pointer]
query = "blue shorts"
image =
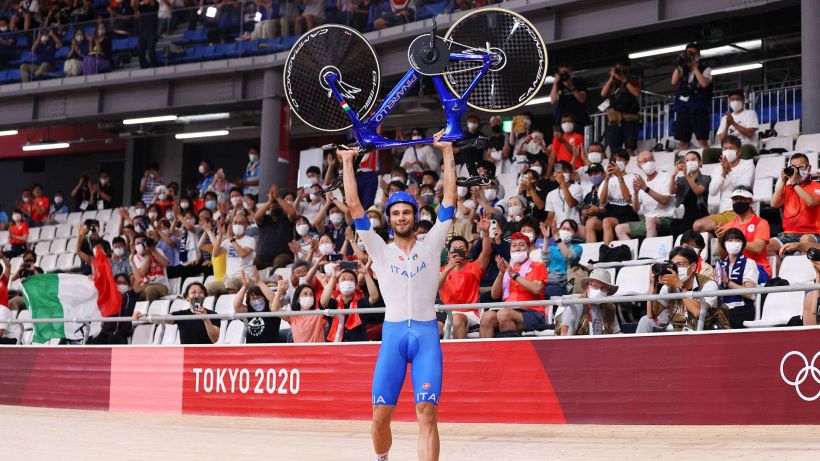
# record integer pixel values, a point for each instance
(417, 344)
(532, 319)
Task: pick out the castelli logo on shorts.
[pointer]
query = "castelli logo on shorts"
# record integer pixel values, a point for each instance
(808, 370)
(426, 385)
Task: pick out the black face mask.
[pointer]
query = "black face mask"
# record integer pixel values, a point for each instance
(496, 129)
(741, 207)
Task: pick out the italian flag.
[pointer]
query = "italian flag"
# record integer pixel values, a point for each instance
(72, 296)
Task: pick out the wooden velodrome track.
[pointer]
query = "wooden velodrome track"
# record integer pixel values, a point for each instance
(44, 433)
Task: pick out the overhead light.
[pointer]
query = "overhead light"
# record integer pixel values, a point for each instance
(201, 134)
(45, 146)
(541, 100)
(657, 51)
(733, 48)
(738, 68)
(8, 133)
(203, 117)
(157, 119)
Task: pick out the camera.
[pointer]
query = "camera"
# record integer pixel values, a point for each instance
(564, 76)
(334, 257)
(685, 59)
(460, 253)
(348, 265)
(619, 71)
(659, 269)
(92, 229)
(813, 254)
(788, 171)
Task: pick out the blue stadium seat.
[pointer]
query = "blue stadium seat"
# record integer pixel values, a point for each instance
(122, 45)
(23, 42)
(432, 9)
(12, 76)
(226, 50)
(193, 36)
(289, 41)
(25, 57)
(62, 53)
(3, 76)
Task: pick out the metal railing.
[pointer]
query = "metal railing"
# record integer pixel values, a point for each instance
(448, 309)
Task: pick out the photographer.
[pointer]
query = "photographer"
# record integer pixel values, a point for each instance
(623, 122)
(693, 98)
(811, 302)
(26, 270)
(799, 197)
(88, 237)
(569, 94)
(677, 275)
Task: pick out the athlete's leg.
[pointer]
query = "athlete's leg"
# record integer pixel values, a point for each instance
(380, 430)
(429, 442)
(388, 378)
(426, 371)
(489, 322)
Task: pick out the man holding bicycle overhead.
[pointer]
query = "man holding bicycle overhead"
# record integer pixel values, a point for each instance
(410, 332)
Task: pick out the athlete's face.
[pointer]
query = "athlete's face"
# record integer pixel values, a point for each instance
(402, 219)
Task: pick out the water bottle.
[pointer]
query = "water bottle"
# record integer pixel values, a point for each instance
(663, 253)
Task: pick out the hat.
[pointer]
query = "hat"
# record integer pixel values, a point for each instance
(520, 236)
(600, 275)
(745, 193)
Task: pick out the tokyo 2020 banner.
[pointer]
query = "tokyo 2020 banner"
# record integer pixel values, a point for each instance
(749, 377)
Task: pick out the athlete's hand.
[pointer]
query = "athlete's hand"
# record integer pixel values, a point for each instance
(347, 155)
(437, 142)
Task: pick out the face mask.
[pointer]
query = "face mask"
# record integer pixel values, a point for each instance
(428, 198)
(44, 39)
(567, 127)
(328, 267)
(516, 210)
(470, 203)
(692, 166)
(139, 211)
(565, 235)
(103, 181)
(152, 215)
(530, 236)
(101, 31)
(313, 180)
(58, 200)
(191, 222)
(302, 229)
(123, 288)
(594, 293)
(210, 204)
(462, 191)
(253, 158)
(741, 207)
(25, 199)
(169, 215)
(736, 106)
(162, 196)
(496, 129)
(16, 217)
(522, 167)
(533, 148)
(236, 200)
(201, 169)
(399, 179)
(733, 247)
(804, 173)
(347, 287)
(119, 251)
(683, 274)
(4, 29)
(306, 301)
(140, 248)
(730, 155)
(415, 137)
(361, 244)
(258, 305)
(336, 218)
(166, 232)
(517, 257)
(596, 180)
(621, 165)
(326, 248)
(238, 229)
(595, 157)
(490, 194)
(184, 205)
(566, 177)
(649, 168)
(527, 123)
(495, 155)
(79, 38)
(472, 126)
(537, 169)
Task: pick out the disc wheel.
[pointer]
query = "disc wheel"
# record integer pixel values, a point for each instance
(343, 51)
(519, 73)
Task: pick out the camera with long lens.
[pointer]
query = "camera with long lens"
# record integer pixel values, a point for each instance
(813, 254)
(685, 59)
(619, 71)
(662, 268)
(564, 76)
(788, 171)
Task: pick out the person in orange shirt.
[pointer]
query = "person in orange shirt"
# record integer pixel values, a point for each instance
(39, 206)
(460, 279)
(754, 228)
(18, 233)
(799, 197)
(521, 279)
(567, 146)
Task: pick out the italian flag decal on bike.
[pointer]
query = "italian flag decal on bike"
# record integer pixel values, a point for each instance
(345, 106)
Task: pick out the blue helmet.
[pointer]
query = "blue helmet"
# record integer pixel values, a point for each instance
(401, 197)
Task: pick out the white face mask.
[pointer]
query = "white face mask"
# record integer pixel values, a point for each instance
(329, 268)
(119, 251)
(139, 211)
(201, 169)
(238, 229)
(733, 247)
(649, 168)
(530, 236)
(184, 205)
(490, 194)
(336, 218)
(191, 222)
(462, 191)
(302, 229)
(398, 178)
(517, 257)
(258, 305)
(567, 126)
(565, 235)
(537, 169)
(522, 167)
(253, 157)
(58, 200)
(16, 217)
(326, 248)
(313, 180)
(730, 155)
(103, 181)
(470, 203)
(415, 137)
(123, 288)
(152, 215)
(533, 148)
(683, 274)
(236, 200)
(347, 287)
(361, 244)
(306, 301)
(621, 165)
(374, 223)
(516, 210)
(692, 166)
(169, 215)
(139, 248)
(594, 293)
(426, 217)
(44, 38)
(736, 106)
(472, 126)
(495, 155)
(595, 157)
(566, 177)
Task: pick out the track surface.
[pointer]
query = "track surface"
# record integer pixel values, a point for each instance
(44, 433)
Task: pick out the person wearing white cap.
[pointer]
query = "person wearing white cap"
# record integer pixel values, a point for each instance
(576, 318)
(734, 172)
(754, 228)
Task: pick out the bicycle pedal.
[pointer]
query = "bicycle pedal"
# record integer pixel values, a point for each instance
(479, 142)
(474, 181)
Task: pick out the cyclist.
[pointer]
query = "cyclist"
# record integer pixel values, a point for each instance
(410, 332)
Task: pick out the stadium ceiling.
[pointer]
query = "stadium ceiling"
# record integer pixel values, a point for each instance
(238, 84)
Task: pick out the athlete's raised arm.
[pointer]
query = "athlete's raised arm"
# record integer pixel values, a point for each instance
(350, 187)
(449, 161)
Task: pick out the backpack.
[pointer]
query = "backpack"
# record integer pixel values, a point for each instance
(614, 254)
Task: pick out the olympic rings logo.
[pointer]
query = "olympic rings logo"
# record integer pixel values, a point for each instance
(803, 374)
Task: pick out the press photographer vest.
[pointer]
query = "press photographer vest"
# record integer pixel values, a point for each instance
(700, 98)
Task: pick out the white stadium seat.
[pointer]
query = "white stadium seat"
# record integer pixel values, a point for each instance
(808, 142)
(49, 263)
(779, 142)
(763, 190)
(26, 329)
(797, 269)
(189, 281)
(665, 161)
(57, 246)
(33, 235)
(224, 305)
(47, 232)
(778, 309)
(91, 214)
(65, 262)
(656, 247)
(631, 243)
(61, 218)
(770, 166)
(143, 333)
(788, 128)
(42, 248)
(63, 231)
(4, 238)
(590, 252)
(175, 284)
(104, 216)
(235, 333)
(74, 218)
(633, 280)
(16, 262)
(171, 335)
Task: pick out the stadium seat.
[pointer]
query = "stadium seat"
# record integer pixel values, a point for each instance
(193, 36)
(633, 280)
(105, 216)
(189, 281)
(48, 263)
(170, 336)
(61, 218)
(789, 128)
(15, 263)
(656, 247)
(665, 161)
(33, 235)
(74, 218)
(175, 284)
(209, 303)
(235, 333)
(779, 142)
(285, 272)
(42, 248)
(143, 333)
(4, 238)
(778, 309)
(91, 214)
(763, 190)
(224, 305)
(27, 329)
(47, 232)
(590, 252)
(770, 166)
(209, 279)
(65, 262)
(797, 269)
(631, 243)
(57, 246)
(63, 231)
(808, 142)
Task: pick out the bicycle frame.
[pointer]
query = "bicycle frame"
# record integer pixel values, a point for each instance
(365, 131)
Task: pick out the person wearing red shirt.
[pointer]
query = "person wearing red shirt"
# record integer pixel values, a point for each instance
(799, 197)
(754, 228)
(39, 206)
(460, 279)
(18, 234)
(567, 146)
(521, 279)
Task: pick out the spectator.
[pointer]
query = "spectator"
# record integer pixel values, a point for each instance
(205, 244)
(24, 204)
(73, 65)
(147, 26)
(354, 13)
(399, 12)
(29, 11)
(575, 320)
(560, 257)
(470, 155)
(205, 331)
(693, 98)
(4, 220)
(58, 206)
(211, 203)
(9, 332)
(811, 299)
(570, 92)
(693, 240)
(521, 279)
(8, 44)
(348, 297)
(119, 257)
(101, 56)
(206, 171)
(338, 217)
(304, 328)
(567, 145)
(120, 332)
(622, 113)
(89, 237)
(691, 189)
(738, 122)
(104, 192)
(800, 199)
(150, 268)
(562, 202)
(164, 15)
(592, 213)
(460, 280)
(189, 257)
(18, 234)
(754, 228)
(616, 195)
(220, 185)
(44, 48)
(419, 158)
(275, 231)
(734, 272)
(82, 12)
(168, 243)
(250, 178)
(240, 250)
(288, 11)
(38, 206)
(257, 297)
(27, 269)
(151, 179)
(312, 16)
(303, 246)
(735, 172)
(652, 197)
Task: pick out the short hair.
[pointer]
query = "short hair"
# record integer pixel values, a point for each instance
(693, 45)
(299, 263)
(568, 66)
(155, 165)
(420, 131)
(595, 168)
(799, 155)
(430, 173)
(399, 170)
(211, 193)
(694, 238)
(696, 153)
(36, 185)
(737, 92)
(313, 169)
(565, 166)
(117, 240)
(426, 225)
(199, 284)
(593, 143)
(622, 153)
(572, 224)
(457, 238)
(733, 234)
(236, 189)
(734, 140)
(399, 185)
(687, 253)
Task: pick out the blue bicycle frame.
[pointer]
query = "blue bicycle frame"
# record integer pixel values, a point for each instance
(454, 107)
